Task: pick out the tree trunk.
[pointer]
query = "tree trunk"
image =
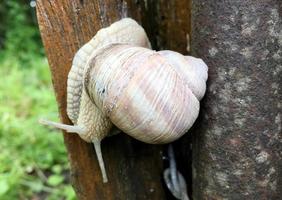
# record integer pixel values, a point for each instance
(134, 168)
(237, 145)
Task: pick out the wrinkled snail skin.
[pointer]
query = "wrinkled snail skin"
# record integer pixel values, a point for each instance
(116, 80)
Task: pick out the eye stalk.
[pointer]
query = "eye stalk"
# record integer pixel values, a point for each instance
(80, 131)
(97, 146)
(69, 128)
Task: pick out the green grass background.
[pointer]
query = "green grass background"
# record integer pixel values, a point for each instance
(33, 159)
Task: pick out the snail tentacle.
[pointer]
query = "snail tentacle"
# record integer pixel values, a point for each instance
(97, 146)
(69, 128)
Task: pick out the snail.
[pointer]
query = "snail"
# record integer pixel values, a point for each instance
(116, 80)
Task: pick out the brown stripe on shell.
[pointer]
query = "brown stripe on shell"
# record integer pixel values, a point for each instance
(113, 74)
(102, 73)
(145, 70)
(133, 77)
(123, 75)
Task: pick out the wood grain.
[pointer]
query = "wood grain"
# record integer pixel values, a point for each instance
(134, 168)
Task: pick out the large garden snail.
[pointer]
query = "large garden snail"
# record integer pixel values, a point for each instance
(117, 80)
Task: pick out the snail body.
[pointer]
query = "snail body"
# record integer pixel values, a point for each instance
(117, 80)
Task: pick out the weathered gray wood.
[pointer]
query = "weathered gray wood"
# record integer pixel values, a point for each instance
(237, 145)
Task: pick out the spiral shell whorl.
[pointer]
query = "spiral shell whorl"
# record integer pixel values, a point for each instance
(193, 71)
(142, 93)
(125, 31)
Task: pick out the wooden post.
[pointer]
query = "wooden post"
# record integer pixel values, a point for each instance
(134, 168)
(168, 24)
(237, 145)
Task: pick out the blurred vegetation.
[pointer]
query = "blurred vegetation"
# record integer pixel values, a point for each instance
(33, 160)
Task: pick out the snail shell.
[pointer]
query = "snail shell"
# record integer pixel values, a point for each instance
(142, 93)
(116, 79)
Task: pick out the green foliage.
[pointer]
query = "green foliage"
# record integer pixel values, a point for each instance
(21, 35)
(33, 158)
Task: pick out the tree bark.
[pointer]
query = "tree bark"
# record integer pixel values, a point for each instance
(237, 145)
(134, 168)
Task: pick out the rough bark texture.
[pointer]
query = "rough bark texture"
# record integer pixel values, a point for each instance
(237, 148)
(134, 168)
